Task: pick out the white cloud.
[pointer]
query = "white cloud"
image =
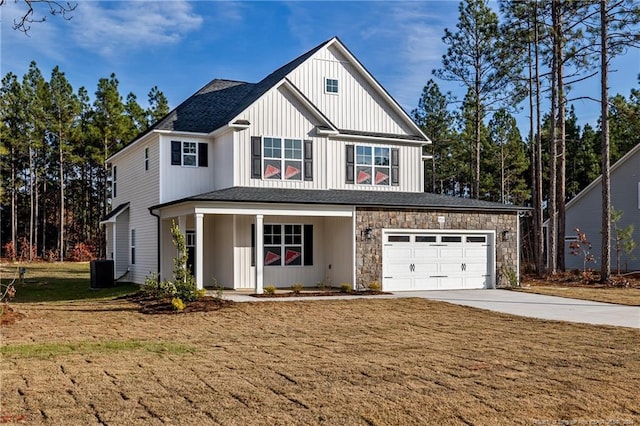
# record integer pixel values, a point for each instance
(111, 27)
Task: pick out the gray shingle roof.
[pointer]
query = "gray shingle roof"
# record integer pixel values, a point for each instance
(220, 100)
(422, 200)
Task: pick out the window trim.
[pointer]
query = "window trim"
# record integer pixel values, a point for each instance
(114, 181)
(372, 163)
(201, 153)
(283, 158)
(305, 236)
(132, 246)
(327, 80)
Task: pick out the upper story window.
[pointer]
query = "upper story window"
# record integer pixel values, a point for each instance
(114, 183)
(146, 158)
(331, 85)
(372, 165)
(189, 154)
(281, 158)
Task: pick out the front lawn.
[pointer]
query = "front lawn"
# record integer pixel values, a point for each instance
(57, 281)
(369, 362)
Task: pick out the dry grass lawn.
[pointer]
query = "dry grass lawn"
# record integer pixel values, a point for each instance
(369, 362)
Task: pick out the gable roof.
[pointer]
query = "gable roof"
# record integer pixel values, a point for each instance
(421, 200)
(220, 101)
(597, 181)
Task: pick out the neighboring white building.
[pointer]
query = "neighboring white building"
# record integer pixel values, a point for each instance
(313, 174)
(585, 212)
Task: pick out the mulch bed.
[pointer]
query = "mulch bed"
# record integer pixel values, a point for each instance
(150, 305)
(321, 293)
(590, 279)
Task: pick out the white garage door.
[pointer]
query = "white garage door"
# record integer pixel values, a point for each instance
(428, 260)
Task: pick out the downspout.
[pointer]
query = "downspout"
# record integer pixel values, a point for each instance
(157, 239)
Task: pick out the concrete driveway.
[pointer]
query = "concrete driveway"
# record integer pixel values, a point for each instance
(540, 306)
(509, 302)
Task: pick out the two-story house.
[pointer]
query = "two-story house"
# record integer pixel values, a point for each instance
(314, 174)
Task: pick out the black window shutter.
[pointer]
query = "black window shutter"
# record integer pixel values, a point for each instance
(308, 245)
(203, 154)
(256, 157)
(253, 244)
(350, 178)
(395, 166)
(176, 147)
(308, 160)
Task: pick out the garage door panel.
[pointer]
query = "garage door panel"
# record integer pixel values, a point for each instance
(399, 252)
(451, 253)
(399, 284)
(432, 260)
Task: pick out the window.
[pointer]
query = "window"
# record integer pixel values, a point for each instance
(479, 239)
(190, 154)
(398, 238)
(146, 158)
(279, 157)
(372, 165)
(331, 85)
(133, 246)
(453, 239)
(425, 239)
(114, 178)
(287, 244)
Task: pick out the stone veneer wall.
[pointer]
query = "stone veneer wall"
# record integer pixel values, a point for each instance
(369, 252)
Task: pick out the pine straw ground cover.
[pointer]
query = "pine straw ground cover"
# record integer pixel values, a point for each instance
(625, 290)
(337, 362)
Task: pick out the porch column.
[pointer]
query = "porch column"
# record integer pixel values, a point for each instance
(259, 253)
(199, 250)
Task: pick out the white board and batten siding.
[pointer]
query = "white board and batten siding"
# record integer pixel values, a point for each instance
(329, 155)
(178, 181)
(356, 106)
(411, 168)
(438, 260)
(278, 114)
(139, 186)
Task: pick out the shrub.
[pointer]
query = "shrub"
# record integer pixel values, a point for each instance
(9, 251)
(177, 304)
(375, 286)
(345, 288)
(82, 252)
(321, 285)
(218, 288)
(511, 277)
(270, 289)
(297, 288)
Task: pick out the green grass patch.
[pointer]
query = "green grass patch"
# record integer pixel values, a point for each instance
(47, 350)
(58, 281)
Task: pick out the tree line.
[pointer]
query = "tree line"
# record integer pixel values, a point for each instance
(54, 142)
(529, 58)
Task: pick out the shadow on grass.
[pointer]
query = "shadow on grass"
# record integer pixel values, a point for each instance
(67, 289)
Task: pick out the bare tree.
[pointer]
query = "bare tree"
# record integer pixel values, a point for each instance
(29, 17)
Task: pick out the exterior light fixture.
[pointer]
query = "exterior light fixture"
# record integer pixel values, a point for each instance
(505, 235)
(367, 233)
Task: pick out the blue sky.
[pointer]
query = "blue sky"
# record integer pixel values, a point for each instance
(181, 45)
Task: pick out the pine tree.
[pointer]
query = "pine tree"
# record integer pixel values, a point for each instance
(477, 58)
(435, 120)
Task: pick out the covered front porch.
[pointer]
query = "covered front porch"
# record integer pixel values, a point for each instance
(294, 243)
